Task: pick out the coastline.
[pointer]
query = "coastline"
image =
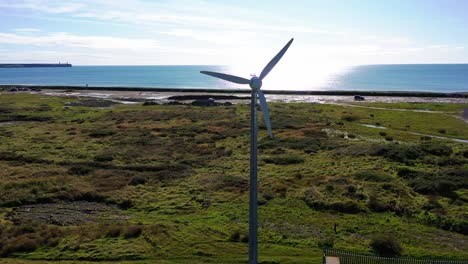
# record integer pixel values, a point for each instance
(246, 91)
(235, 97)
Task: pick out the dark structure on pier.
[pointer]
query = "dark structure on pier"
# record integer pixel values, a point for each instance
(33, 65)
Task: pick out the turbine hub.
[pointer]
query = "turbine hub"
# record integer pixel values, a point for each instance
(255, 83)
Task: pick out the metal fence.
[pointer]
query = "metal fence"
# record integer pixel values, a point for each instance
(334, 256)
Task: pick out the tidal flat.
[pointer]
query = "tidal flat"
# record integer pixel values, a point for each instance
(83, 182)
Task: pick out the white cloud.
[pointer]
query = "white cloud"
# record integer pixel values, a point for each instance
(50, 6)
(26, 30)
(199, 32)
(63, 39)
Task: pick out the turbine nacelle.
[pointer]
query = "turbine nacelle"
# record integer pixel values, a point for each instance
(255, 83)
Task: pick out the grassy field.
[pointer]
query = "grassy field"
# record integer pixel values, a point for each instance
(169, 183)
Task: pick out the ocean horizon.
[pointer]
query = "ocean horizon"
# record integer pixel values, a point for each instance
(378, 77)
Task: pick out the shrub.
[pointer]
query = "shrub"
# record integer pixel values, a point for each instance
(132, 232)
(349, 207)
(351, 136)
(137, 180)
(351, 189)
(235, 237)
(19, 244)
(268, 195)
(400, 153)
(101, 133)
(296, 143)
(407, 173)
(350, 118)
(284, 159)
(389, 138)
(103, 158)
(232, 182)
(80, 170)
(436, 149)
(326, 242)
(465, 153)
(313, 199)
(244, 238)
(113, 231)
(386, 246)
(373, 176)
(383, 134)
(375, 205)
(443, 182)
(442, 131)
(125, 204)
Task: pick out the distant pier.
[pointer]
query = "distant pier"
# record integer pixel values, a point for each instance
(33, 65)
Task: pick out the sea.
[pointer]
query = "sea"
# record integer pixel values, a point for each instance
(394, 77)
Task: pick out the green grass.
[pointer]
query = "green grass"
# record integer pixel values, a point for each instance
(181, 174)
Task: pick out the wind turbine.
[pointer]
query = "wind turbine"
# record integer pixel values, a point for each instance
(255, 84)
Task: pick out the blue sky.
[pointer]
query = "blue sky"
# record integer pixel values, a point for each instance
(327, 33)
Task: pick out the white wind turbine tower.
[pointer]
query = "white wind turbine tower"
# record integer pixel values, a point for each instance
(255, 84)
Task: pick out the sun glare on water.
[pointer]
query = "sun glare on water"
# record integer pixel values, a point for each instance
(297, 70)
(292, 76)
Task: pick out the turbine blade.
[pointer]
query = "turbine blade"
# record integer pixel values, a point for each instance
(227, 77)
(266, 115)
(275, 60)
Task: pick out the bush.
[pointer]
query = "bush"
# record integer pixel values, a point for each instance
(400, 153)
(101, 133)
(235, 237)
(465, 153)
(443, 182)
(137, 180)
(27, 238)
(442, 131)
(389, 138)
(113, 231)
(244, 238)
(103, 158)
(232, 182)
(326, 242)
(296, 143)
(20, 244)
(132, 232)
(437, 149)
(375, 205)
(350, 118)
(284, 159)
(386, 246)
(383, 134)
(80, 170)
(373, 176)
(313, 199)
(349, 207)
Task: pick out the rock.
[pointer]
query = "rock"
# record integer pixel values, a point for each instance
(150, 103)
(359, 98)
(174, 103)
(205, 102)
